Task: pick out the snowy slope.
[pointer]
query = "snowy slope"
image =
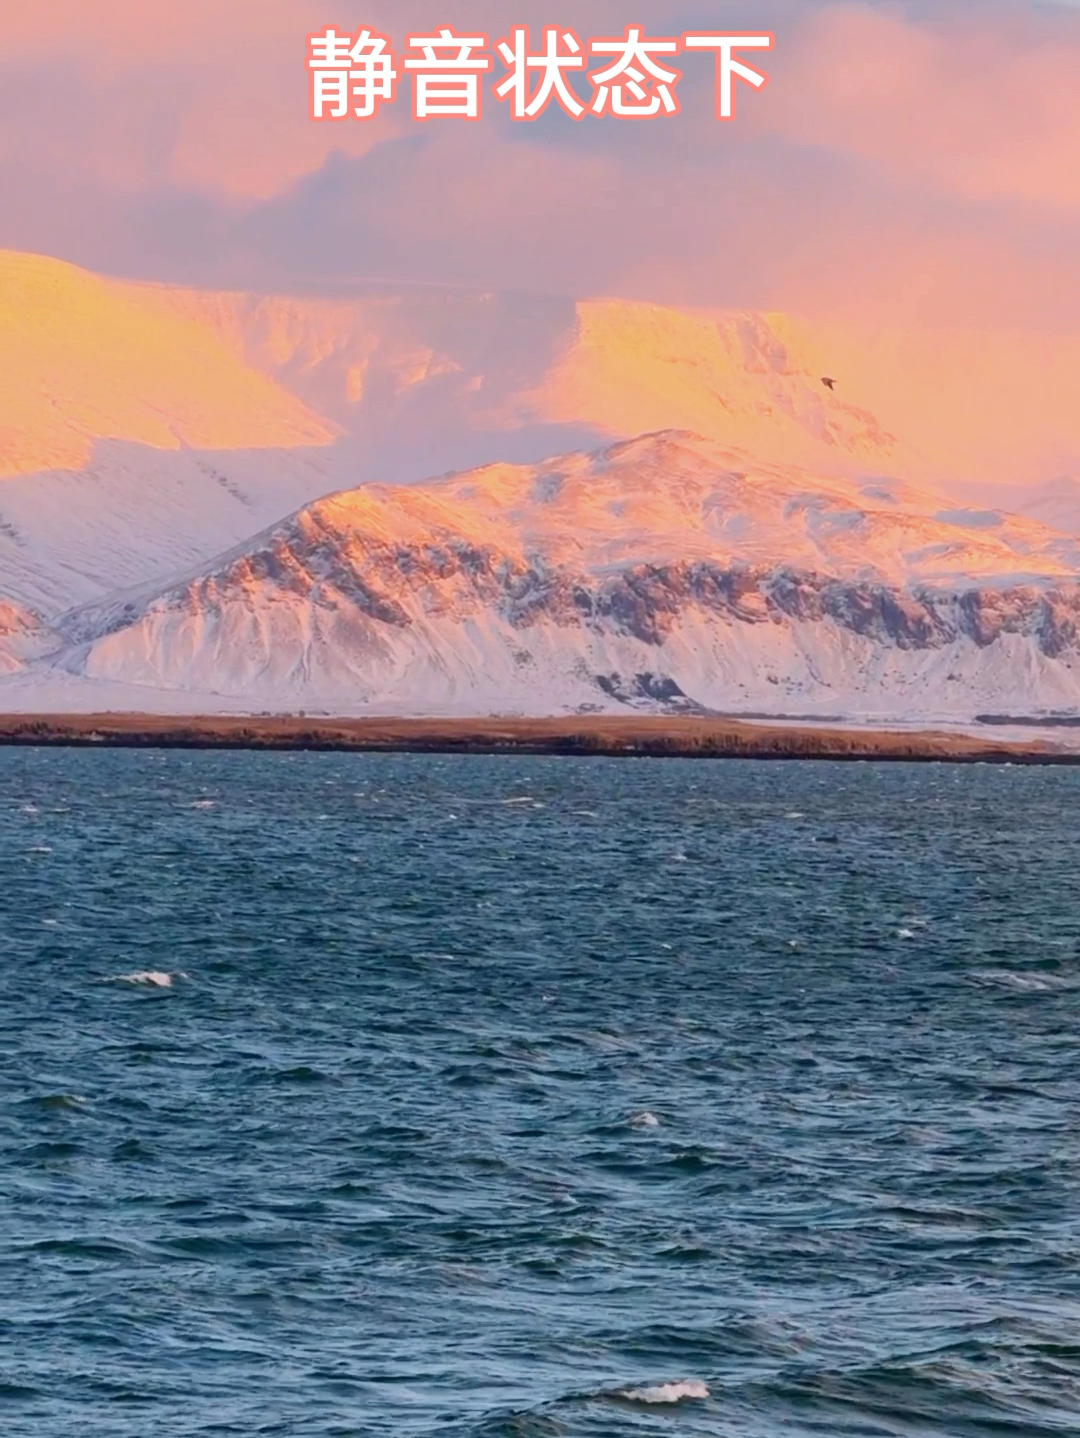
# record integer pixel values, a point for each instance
(141, 515)
(133, 442)
(84, 358)
(666, 571)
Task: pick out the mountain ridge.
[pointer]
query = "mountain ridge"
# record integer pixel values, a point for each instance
(230, 495)
(661, 572)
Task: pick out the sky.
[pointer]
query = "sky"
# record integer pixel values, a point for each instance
(910, 162)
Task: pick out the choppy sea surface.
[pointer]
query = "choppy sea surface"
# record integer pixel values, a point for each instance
(514, 1098)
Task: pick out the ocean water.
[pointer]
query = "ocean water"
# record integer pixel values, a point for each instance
(513, 1098)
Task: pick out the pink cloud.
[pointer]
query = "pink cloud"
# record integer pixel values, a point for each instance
(983, 108)
(204, 94)
(981, 102)
(926, 171)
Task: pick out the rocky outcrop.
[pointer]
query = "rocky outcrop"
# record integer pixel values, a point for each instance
(450, 577)
(23, 637)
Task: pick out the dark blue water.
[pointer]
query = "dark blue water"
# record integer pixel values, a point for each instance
(488, 1092)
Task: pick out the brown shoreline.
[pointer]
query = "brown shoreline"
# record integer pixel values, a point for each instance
(589, 735)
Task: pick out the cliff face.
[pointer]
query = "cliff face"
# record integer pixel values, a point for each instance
(400, 586)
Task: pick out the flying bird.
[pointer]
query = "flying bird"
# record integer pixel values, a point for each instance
(828, 383)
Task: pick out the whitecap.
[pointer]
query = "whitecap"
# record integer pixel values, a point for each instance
(905, 933)
(203, 804)
(1024, 983)
(60, 1100)
(668, 1392)
(152, 978)
(645, 1120)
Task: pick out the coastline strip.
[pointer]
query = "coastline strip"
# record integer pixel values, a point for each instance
(582, 735)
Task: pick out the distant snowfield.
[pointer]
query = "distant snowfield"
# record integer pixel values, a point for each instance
(767, 546)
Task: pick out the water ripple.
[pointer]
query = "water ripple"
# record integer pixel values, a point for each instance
(635, 1098)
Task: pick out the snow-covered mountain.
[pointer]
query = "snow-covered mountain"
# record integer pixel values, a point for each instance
(144, 428)
(423, 381)
(667, 571)
(155, 441)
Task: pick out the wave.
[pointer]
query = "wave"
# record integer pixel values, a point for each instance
(645, 1120)
(690, 1390)
(56, 1101)
(1024, 983)
(150, 978)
